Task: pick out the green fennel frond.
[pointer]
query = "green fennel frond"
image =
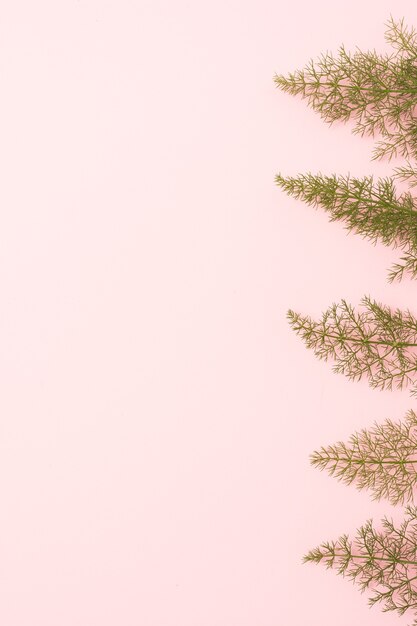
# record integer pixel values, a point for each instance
(375, 342)
(382, 459)
(370, 208)
(401, 37)
(377, 91)
(383, 562)
(407, 173)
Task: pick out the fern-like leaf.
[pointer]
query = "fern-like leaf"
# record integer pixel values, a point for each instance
(382, 562)
(374, 342)
(382, 459)
(370, 208)
(377, 91)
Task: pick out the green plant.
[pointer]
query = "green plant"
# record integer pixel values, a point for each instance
(370, 208)
(376, 91)
(379, 94)
(383, 561)
(374, 342)
(382, 459)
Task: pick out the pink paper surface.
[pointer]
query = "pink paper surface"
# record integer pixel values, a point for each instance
(156, 411)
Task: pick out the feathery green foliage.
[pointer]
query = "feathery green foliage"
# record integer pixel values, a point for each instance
(375, 342)
(377, 91)
(371, 208)
(384, 562)
(382, 459)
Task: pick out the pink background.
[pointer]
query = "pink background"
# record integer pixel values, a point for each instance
(157, 412)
